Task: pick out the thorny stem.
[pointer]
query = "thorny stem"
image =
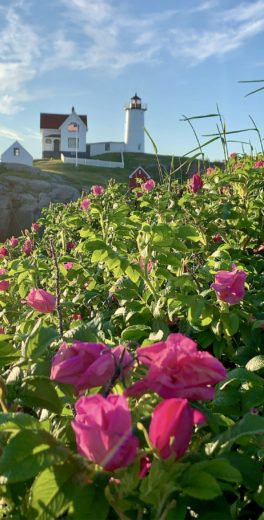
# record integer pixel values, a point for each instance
(58, 292)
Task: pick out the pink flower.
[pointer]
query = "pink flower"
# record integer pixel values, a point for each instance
(13, 241)
(27, 247)
(76, 317)
(3, 271)
(103, 429)
(97, 191)
(149, 266)
(4, 285)
(196, 183)
(259, 164)
(41, 300)
(3, 252)
(70, 245)
(149, 185)
(233, 155)
(171, 427)
(144, 467)
(2, 331)
(87, 365)
(210, 170)
(230, 285)
(35, 226)
(68, 265)
(217, 238)
(85, 204)
(178, 369)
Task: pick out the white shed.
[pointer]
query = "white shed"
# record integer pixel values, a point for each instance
(17, 154)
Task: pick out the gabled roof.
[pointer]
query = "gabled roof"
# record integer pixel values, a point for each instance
(56, 120)
(139, 170)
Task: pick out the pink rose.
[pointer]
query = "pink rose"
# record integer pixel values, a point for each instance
(2, 331)
(41, 300)
(149, 266)
(103, 430)
(177, 369)
(144, 466)
(259, 164)
(68, 265)
(87, 365)
(97, 191)
(149, 185)
(233, 155)
(217, 238)
(260, 249)
(196, 183)
(85, 204)
(70, 245)
(210, 170)
(4, 285)
(35, 226)
(27, 247)
(230, 285)
(13, 241)
(76, 317)
(3, 271)
(171, 427)
(3, 252)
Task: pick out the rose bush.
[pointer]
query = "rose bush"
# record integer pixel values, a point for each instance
(136, 390)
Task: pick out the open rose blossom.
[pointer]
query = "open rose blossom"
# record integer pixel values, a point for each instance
(85, 204)
(35, 227)
(103, 430)
(259, 164)
(171, 427)
(3, 252)
(149, 185)
(68, 265)
(3, 271)
(210, 170)
(177, 369)
(196, 183)
(4, 285)
(87, 365)
(230, 285)
(41, 300)
(97, 191)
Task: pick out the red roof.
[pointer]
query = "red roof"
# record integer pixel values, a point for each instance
(56, 120)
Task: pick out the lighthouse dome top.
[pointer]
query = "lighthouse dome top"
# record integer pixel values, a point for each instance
(135, 103)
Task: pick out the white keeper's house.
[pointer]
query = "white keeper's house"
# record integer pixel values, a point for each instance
(65, 134)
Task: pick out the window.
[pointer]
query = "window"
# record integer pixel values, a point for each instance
(48, 141)
(72, 142)
(107, 147)
(139, 146)
(16, 152)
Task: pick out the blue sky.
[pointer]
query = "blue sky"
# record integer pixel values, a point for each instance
(182, 57)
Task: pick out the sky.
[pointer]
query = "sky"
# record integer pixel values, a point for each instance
(183, 58)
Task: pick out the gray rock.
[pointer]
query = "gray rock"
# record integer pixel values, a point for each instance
(24, 191)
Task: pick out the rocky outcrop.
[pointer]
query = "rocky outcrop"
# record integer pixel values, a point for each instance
(24, 191)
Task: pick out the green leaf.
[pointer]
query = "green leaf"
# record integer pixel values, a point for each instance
(249, 425)
(90, 503)
(8, 354)
(133, 273)
(135, 332)
(200, 485)
(256, 363)
(39, 339)
(39, 391)
(18, 421)
(223, 470)
(27, 453)
(230, 323)
(52, 492)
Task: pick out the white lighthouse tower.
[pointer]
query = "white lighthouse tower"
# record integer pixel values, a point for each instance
(134, 125)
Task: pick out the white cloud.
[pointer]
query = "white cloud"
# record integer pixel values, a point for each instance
(10, 134)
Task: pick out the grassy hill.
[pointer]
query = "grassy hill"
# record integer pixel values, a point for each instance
(86, 176)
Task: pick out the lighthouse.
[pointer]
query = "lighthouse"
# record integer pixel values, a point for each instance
(134, 125)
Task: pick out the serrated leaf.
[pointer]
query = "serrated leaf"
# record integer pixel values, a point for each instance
(27, 453)
(200, 485)
(39, 339)
(39, 391)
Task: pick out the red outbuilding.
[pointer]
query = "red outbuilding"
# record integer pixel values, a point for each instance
(138, 177)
